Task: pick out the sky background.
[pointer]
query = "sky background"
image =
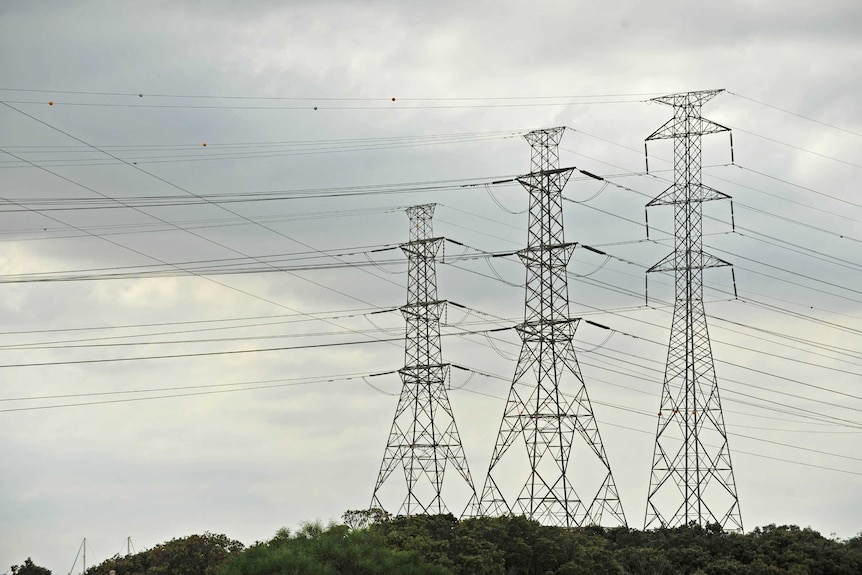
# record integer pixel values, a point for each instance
(138, 88)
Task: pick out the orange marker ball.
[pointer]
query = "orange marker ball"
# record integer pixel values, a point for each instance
(393, 99)
(51, 103)
(205, 144)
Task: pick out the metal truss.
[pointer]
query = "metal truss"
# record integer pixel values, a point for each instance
(692, 476)
(423, 439)
(548, 405)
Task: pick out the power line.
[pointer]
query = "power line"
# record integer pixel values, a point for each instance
(241, 265)
(797, 462)
(786, 358)
(739, 227)
(82, 230)
(348, 313)
(371, 140)
(244, 265)
(289, 383)
(280, 383)
(205, 152)
(793, 359)
(383, 105)
(155, 227)
(230, 352)
(68, 345)
(798, 115)
(652, 175)
(180, 188)
(142, 94)
(807, 151)
(302, 380)
(133, 202)
(801, 187)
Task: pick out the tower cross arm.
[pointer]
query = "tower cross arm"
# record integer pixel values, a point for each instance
(700, 260)
(697, 193)
(534, 180)
(697, 98)
(694, 125)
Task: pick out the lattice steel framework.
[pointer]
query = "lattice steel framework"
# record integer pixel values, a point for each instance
(424, 439)
(692, 476)
(538, 409)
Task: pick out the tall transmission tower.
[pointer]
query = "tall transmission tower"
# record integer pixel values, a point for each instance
(423, 439)
(548, 403)
(692, 476)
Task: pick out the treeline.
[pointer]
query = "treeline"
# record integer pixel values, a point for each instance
(371, 543)
(442, 545)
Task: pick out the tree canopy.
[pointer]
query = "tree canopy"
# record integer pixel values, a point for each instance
(332, 550)
(29, 568)
(441, 544)
(371, 542)
(192, 555)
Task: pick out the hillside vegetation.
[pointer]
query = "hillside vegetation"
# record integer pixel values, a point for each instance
(369, 543)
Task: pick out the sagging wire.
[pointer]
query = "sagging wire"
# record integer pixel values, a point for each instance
(601, 345)
(500, 205)
(381, 268)
(478, 312)
(377, 389)
(457, 323)
(594, 196)
(496, 349)
(499, 277)
(390, 332)
(478, 372)
(602, 265)
(463, 385)
(458, 257)
(605, 184)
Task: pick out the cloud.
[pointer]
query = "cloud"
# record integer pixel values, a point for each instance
(248, 462)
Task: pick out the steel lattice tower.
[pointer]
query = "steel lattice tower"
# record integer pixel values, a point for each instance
(423, 439)
(548, 402)
(692, 476)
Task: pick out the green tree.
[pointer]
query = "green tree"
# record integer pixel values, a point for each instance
(192, 555)
(362, 518)
(475, 548)
(332, 550)
(643, 561)
(372, 543)
(725, 566)
(688, 559)
(29, 568)
(428, 536)
(591, 560)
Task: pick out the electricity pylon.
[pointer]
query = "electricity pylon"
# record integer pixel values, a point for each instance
(423, 439)
(692, 476)
(548, 403)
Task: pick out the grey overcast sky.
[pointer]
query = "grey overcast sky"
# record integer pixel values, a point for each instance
(292, 96)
